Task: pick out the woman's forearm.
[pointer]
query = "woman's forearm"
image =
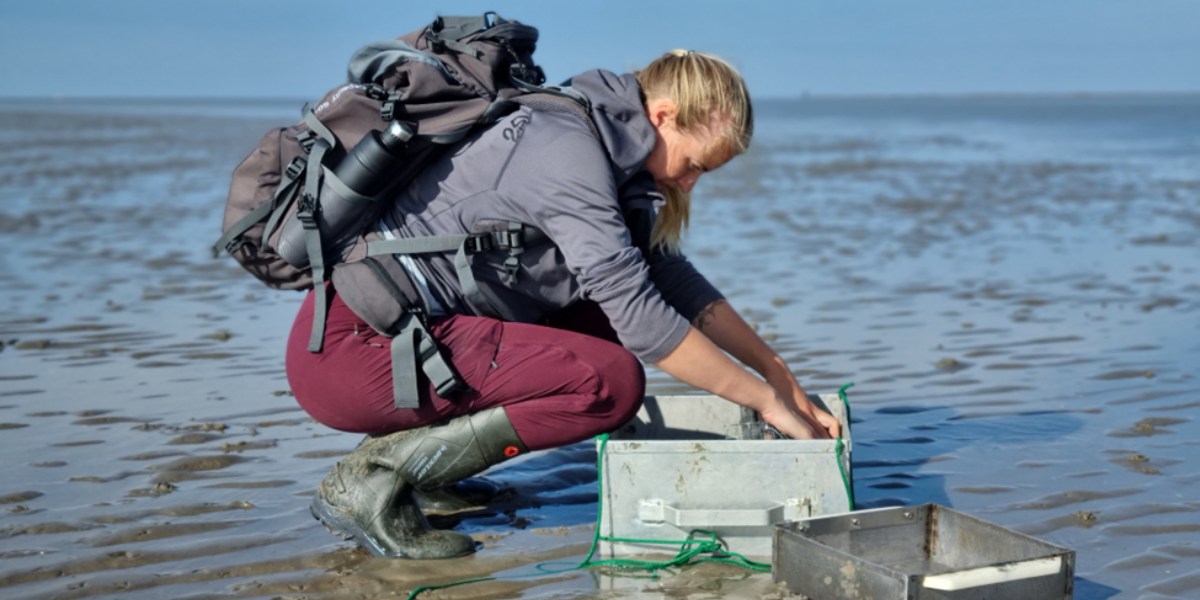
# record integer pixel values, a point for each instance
(696, 361)
(726, 328)
(721, 324)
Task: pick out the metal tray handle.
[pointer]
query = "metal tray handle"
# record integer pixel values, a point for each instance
(657, 511)
(973, 578)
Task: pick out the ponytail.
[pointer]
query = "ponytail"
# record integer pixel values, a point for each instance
(672, 219)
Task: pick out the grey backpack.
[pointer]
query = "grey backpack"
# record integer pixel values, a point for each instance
(406, 100)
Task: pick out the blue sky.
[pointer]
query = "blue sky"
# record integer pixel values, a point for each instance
(299, 48)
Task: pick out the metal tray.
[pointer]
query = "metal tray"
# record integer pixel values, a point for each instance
(684, 463)
(926, 552)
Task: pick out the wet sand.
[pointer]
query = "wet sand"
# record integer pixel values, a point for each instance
(1011, 283)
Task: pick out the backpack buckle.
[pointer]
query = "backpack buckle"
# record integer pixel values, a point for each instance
(306, 209)
(387, 112)
(511, 265)
(296, 167)
(234, 245)
(526, 74)
(514, 239)
(306, 139)
(506, 239)
(517, 70)
(480, 243)
(376, 92)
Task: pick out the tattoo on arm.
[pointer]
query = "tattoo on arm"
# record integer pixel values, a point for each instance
(707, 316)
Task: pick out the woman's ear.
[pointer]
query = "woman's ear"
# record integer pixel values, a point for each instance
(661, 111)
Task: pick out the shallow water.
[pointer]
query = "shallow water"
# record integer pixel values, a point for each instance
(1011, 283)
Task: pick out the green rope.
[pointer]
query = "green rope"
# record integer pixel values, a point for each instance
(690, 549)
(842, 395)
(427, 588)
(847, 477)
(687, 553)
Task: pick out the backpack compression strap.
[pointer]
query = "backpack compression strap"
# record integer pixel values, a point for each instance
(516, 238)
(287, 191)
(231, 239)
(309, 204)
(307, 214)
(412, 344)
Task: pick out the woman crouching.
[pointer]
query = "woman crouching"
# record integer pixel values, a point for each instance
(553, 354)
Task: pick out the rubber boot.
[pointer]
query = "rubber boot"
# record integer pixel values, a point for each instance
(368, 495)
(469, 493)
(472, 492)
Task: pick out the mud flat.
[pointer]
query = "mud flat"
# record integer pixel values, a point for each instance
(1012, 284)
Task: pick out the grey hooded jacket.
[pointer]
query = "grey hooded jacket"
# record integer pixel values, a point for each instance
(594, 200)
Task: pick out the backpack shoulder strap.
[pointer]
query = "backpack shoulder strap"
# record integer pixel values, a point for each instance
(561, 102)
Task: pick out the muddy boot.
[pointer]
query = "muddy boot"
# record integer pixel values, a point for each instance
(471, 492)
(368, 496)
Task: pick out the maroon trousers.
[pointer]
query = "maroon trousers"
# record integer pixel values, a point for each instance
(559, 386)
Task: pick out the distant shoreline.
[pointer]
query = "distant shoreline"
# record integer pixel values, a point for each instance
(987, 96)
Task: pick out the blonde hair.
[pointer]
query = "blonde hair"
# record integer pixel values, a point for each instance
(703, 88)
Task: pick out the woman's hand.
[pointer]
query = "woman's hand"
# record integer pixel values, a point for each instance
(790, 424)
(828, 422)
(786, 386)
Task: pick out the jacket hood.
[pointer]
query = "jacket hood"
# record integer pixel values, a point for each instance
(620, 117)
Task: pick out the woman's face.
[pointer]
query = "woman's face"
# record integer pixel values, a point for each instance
(680, 158)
